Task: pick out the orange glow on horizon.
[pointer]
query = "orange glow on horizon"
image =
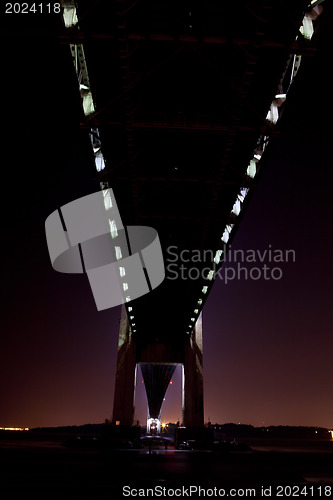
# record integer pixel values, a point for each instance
(14, 428)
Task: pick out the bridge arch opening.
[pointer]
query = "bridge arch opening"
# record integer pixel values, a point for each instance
(171, 406)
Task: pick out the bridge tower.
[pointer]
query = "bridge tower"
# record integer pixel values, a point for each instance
(158, 363)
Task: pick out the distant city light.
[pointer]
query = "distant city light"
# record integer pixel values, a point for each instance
(14, 428)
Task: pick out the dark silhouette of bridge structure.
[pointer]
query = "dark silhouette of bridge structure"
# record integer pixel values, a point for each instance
(181, 100)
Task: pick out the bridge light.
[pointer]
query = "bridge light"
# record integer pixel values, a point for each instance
(99, 162)
(196, 311)
(204, 289)
(243, 193)
(128, 298)
(225, 236)
(252, 169)
(107, 199)
(122, 273)
(118, 253)
(130, 308)
(113, 228)
(217, 257)
(236, 208)
(307, 27)
(131, 317)
(200, 302)
(125, 286)
(87, 100)
(69, 14)
(210, 275)
(273, 114)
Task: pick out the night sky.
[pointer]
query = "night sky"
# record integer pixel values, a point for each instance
(267, 343)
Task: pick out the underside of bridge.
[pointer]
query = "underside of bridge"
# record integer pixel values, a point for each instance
(180, 100)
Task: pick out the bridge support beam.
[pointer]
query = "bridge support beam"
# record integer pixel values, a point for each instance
(193, 407)
(123, 407)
